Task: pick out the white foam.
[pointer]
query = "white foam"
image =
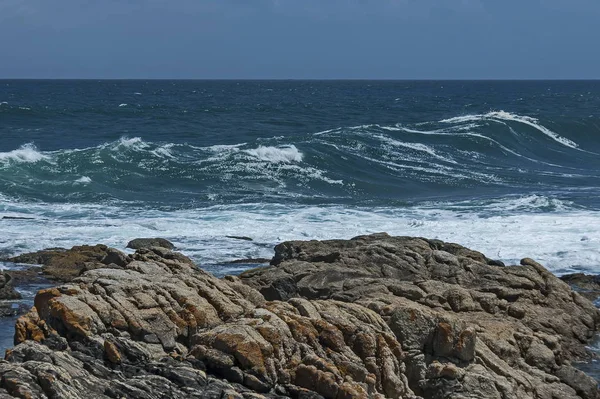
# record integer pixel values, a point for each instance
(135, 143)
(222, 148)
(565, 239)
(415, 146)
(83, 180)
(282, 154)
(499, 116)
(325, 132)
(27, 153)
(137, 93)
(164, 151)
(123, 105)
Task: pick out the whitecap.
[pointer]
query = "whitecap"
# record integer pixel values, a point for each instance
(27, 153)
(83, 180)
(283, 154)
(123, 105)
(137, 93)
(132, 143)
(221, 147)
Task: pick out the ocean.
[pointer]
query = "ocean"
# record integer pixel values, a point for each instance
(509, 168)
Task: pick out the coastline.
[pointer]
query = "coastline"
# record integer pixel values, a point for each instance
(375, 316)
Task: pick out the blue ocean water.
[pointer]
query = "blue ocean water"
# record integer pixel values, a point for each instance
(508, 168)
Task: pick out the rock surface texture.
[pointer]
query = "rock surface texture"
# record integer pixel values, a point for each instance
(372, 317)
(140, 243)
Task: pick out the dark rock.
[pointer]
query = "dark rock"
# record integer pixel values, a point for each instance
(26, 275)
(7, 291)
(250, 261)
(140, 243)
(9, 309)
(587, 285)
(244, 238)
(38, 258)
(66, 264)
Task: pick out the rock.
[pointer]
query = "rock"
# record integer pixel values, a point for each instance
(140, 243)
(250, 261)
(587, 285)
(7, 291)
(26, 275)
(37, 258)
(10, 309)
(244, 238)
(66, 264)
(372, 317)
(448, 304)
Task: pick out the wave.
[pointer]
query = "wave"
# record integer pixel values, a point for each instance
(489, 153)
(27, 153)
(507, 116)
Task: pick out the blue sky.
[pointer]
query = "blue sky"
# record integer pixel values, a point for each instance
(314, 39)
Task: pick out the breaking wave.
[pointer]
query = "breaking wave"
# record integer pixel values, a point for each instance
(497, 153)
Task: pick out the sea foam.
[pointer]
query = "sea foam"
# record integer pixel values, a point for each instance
(27, 153)
(83, 180)
(505, 229)
(283, 154)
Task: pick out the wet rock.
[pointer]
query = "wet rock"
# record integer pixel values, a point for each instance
(587, 285)
(66, 264)
(7, 291)
(26, 275)
(140, 243)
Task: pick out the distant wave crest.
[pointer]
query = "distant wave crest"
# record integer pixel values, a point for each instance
(507, 116)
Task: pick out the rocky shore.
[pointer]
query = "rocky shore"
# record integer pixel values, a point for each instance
(372, 317)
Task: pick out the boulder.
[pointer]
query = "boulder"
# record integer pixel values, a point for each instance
(140, 243)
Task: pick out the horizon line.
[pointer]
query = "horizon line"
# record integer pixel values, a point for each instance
(321, 79)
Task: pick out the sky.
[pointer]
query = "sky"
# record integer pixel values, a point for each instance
(300, 39)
